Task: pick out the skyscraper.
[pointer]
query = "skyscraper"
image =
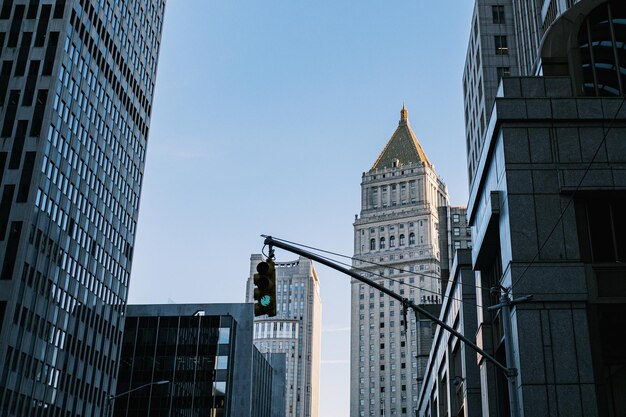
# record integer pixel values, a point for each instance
(491, 55)
(294, 331)
(76, 87)
(545, 210)
(454, 234)
(396, 244)
(505, 40)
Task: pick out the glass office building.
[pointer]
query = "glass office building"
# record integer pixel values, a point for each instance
(76, 87)
(196, 360)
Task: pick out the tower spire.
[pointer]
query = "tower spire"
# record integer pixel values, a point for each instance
(404, 115)
(403, 146)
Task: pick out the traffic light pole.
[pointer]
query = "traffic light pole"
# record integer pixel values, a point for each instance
(511, 373)
(505, 305)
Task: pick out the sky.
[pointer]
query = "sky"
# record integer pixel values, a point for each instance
(266, 113)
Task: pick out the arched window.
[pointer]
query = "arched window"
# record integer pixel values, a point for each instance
(392, 242)
(412, 239)
(401, 240)
(601, 56)
(372, 244)
(382, 243)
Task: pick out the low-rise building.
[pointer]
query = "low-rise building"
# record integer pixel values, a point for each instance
(205, 352)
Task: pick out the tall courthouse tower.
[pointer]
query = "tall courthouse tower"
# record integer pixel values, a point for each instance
(395, 244)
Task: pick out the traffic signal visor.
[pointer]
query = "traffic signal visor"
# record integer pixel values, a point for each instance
(265, 291)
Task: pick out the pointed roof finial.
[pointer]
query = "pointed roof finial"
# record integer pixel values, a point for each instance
(402, 148)
(404, 115)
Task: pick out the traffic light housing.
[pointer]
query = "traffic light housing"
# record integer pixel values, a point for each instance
(265, 291)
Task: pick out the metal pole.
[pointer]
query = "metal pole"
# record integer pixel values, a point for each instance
(505, 303)
(279, 244)
(110, 398)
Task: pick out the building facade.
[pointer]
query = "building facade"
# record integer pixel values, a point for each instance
(204, 359)
(452, 382)
(295, 331)
(454, 234)
(505, 40)
(76, 88)
(532, 21)
(491, 55)
(395, 244)
(545, 210)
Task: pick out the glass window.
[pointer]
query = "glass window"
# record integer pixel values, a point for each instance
(221, 362)
(382, 243)
(392, 242)
(412, 239)
(219, 388)
(224, 336)
(401, 240)
(501, 45)
(497, 12)
(503, 72)
(372, 244)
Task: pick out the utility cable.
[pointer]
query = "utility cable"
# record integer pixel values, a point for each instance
(420, 274)
(373, 273)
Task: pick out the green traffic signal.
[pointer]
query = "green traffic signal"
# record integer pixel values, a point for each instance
(265, 291)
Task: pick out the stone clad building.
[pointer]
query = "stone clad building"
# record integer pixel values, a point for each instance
(546, 209)
(396, 244)
(295, 331)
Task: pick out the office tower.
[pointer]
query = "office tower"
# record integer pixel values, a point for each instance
(532, 21)
(396, 244)
(545, 210)
(491, 55)
(294, 331)
(76, 88)
(195, 360)
(505, 40)
(454, 234)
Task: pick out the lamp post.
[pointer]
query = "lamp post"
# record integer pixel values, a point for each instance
(110, 398)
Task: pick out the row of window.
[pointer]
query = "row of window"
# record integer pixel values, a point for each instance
(392, 241)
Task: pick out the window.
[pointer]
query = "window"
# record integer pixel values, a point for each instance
(401, 240)
(457, 245)
(372, 244)
(392, 242)
(497, 12)
(222, 362)
(382, 243)
(412, 239)
(601, 222)
(457, 231)
(501, 45)
(503, 72)
(455, 218)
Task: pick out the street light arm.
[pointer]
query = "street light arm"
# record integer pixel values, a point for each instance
(112, 397)
(509, 372)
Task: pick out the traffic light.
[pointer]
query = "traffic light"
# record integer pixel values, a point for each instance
(265, 291)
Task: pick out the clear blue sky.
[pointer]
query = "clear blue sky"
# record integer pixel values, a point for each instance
(265, 116)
